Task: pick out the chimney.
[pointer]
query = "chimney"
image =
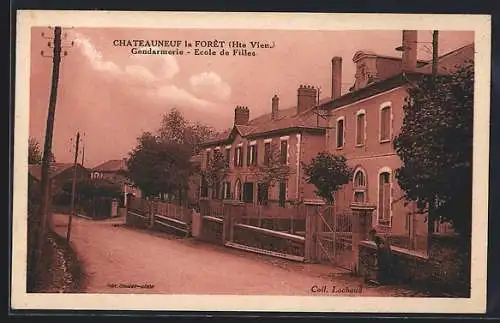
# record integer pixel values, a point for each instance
(241, 115)
(409, 47)
(336, 77)
(274, 107)
(306, 98)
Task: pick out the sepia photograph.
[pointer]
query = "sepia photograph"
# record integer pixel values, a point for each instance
(212, 159)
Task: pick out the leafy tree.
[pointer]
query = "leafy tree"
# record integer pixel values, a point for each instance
(216, 169)
(159, 167)
(435, 145)
(327, 172)
(176, 129)
(34, 153)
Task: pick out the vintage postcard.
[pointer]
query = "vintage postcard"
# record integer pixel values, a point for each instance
(251, 162)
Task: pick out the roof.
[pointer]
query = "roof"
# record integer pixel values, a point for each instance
(446, 64)
(451, 60)
(287, 121)
(54, 170)
(114, 165)
(363, 53)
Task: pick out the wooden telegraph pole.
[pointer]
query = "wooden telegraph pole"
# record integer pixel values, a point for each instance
(47, 149)
(73, 188)
(435, 36)
(430, 216)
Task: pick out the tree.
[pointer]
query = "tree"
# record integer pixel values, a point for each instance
(176, 129)
(435, 146)
(216, 169)
(272, 171)
(159, 167)
(34, 153)
(327, 172)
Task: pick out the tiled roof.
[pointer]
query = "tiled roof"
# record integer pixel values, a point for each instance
(286, 119)
(446, 64)
(54, 170)
(449, 61)
(114, 165)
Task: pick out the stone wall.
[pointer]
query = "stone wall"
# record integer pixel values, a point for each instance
(444, 271)
(268, 240)
(211, 230)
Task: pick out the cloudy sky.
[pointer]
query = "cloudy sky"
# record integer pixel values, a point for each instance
(112, 96)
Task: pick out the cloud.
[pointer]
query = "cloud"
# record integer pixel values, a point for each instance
(163, 66)
(210, 85)
(181, 97)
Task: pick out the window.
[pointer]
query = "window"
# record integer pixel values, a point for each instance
(384, 198)
(238, 156)
(267, 153)
(340, 132)
(227, 156)
(360, 127)
(252, 154)
(385, 122)
(208, 158)
(204, 187)
(237, 190)
(226, 190)
(282, 194)
(359, 183)
(248, 192)
(284, 152)
(262, 193)
(216, 191)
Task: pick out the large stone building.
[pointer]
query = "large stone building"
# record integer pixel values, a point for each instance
(364, 122)
(295, 134)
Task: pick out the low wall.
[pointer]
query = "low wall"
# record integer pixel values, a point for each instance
(211, 230)
(269, 240)
(136, 219)
(444, 271)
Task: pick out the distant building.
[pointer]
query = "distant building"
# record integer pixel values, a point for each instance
(297, 134)
(115, 171)
(59, 174)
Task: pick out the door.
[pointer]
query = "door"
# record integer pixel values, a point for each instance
(248, 192)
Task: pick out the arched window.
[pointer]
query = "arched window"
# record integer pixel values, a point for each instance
(384, 197)
(359, 183)
(237, 190)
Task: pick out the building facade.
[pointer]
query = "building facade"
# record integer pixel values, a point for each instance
(282, 139)
(363, 124)
(114, 172)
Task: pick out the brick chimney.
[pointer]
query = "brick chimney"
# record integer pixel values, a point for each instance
(409, 47)
(274, 107)
(241, 115)
(336, 77)
(306, 98)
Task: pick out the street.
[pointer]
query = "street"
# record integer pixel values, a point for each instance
(120, 259)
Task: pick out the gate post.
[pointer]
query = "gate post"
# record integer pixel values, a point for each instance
(361, 224)
(152, 212)
(309, 241)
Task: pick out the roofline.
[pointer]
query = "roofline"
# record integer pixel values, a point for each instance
(372, 89)
(268, 133)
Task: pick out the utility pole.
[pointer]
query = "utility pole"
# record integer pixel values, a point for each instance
(47, 150)
(430, 213)
(83, 151)
(435, 37)
(73, 189)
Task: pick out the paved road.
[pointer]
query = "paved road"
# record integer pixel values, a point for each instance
(112, 253)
